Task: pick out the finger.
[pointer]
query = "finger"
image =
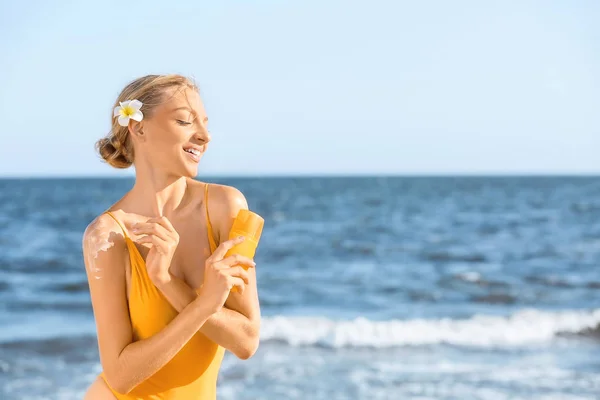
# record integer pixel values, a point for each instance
(164, 222)
(236, 284)
(220, 252)
(237, 259)
(151, 228)
(161, 245)
(238, 272)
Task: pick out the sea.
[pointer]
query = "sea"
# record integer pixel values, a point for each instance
(370, 288)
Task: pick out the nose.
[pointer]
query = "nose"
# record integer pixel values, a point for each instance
(202, 134)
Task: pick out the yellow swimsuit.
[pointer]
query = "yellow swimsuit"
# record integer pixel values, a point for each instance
(192, 373)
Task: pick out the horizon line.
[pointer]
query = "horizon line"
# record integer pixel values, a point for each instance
(589, 174)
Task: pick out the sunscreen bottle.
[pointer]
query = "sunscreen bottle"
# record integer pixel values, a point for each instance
(249, 225)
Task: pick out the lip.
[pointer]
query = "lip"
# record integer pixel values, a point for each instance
(200, 149)
(193, 157)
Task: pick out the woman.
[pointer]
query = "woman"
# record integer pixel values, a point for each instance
(160, 286)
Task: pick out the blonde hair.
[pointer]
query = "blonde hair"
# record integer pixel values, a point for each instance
(117, 148)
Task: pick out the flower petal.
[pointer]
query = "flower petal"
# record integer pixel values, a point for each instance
(117, 111)
(135, 104)
(124, 103)
(123, 121)
(137, 116)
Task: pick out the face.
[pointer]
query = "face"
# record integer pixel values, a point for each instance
(175, 137)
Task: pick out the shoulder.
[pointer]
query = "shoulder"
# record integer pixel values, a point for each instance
(219, 196)
(228, 197)
(224, 203)
(102, 234)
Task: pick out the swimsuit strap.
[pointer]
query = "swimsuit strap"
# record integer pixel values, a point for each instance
(211, 239)
(113, 217)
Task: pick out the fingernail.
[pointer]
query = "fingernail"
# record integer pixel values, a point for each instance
(240, 237)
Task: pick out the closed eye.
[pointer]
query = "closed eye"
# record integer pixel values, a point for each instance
(180, 122)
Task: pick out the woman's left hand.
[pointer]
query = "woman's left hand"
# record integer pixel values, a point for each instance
(164, 240)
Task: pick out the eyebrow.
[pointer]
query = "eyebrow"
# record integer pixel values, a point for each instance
(190, 110)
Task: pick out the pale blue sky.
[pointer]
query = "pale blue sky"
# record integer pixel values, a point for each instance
(313, 87)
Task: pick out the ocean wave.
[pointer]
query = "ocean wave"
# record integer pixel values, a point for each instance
(526, 327)
(522, 328)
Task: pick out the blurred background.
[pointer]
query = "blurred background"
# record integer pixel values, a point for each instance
(428, 173)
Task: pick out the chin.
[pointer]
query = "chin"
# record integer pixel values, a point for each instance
(190, 172)
(187, 168)
(190, 165)
(184, 170)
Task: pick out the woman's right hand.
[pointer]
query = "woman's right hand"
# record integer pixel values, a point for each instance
(223, 274)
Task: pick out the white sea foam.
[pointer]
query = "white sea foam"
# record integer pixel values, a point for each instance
(522, 328)
(525, 327)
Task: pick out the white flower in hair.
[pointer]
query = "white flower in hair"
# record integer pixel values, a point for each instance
(129, 109)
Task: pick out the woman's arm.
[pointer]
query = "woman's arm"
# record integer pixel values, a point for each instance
(227, 328)
(237, 325)
(126, 364)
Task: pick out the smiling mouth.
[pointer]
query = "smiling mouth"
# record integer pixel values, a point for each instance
(194, 154)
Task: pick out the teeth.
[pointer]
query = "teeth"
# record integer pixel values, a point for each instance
(193, 151)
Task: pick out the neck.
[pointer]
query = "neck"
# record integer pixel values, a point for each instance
(158, 194)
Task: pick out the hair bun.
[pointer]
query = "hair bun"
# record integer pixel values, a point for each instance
(112, 152)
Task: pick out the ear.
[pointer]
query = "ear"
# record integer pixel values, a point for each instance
(136, 129)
